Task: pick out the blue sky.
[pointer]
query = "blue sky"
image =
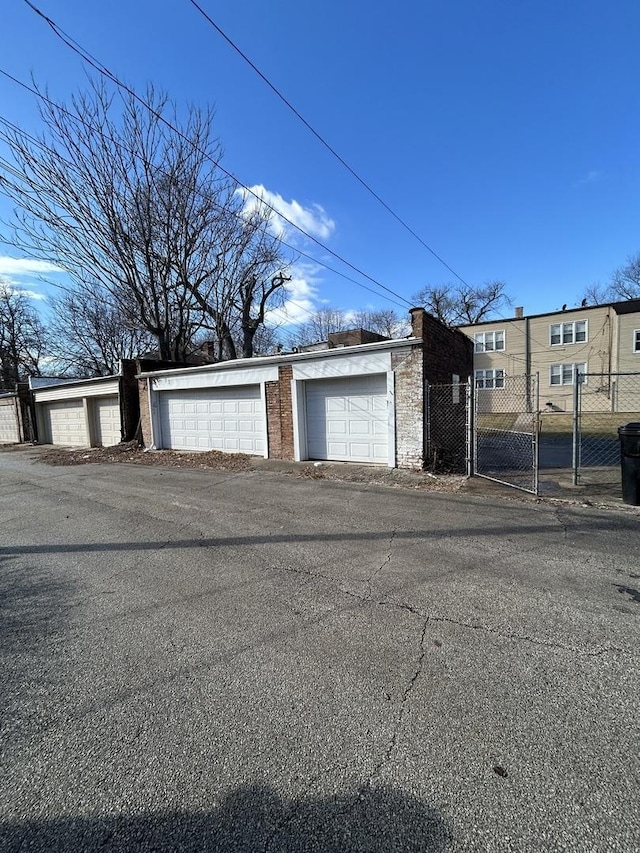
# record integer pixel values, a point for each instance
(505, 133)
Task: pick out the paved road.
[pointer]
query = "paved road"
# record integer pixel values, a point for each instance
(202, 661)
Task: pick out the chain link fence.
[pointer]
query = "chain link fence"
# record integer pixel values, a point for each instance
(506, 431)
(605, 402)
(447, 428)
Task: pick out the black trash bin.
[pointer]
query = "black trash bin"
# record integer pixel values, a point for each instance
(630, 462)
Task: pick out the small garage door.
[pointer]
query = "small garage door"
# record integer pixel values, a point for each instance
(347, 419)
(65, 422)
(227, 419)
(8, 424)
(106, 419)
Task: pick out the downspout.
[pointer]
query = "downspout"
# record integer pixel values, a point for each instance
(152, 446)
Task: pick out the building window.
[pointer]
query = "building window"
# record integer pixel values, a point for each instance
(489, 378)
(561, 334)
(562, 374)
(489, 341)
(636, 340)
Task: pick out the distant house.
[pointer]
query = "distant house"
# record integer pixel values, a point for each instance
(359, 398)
(599, 340)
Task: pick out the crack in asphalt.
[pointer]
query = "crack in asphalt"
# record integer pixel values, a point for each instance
(405, 699)
(386, 562)
(472, 626)
(557, 515)
(508, 635)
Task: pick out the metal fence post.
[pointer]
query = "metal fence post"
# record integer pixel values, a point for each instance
(575, 460)
(470, 427)
(536, 434)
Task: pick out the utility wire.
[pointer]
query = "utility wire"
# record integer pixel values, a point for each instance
(321, 139)
(8, 167)
(105, 72)
(133, 153)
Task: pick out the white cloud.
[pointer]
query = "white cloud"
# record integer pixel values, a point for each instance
(312, 219)
(25, 266)
(592, 177)
(301, 297)
(30, 294)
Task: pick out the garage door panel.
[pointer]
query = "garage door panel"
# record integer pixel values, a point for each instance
(227, 419)
(9, 432)
(65, 423)
(106, 419)
(347, 419)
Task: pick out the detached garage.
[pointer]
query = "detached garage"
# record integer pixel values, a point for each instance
(333, 405)
(79, 413)
(351, 399)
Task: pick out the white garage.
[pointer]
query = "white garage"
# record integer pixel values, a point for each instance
(106, 420)
(230, 419)
(64, 423)
(78, 413)
(347, 419)
(9, 426)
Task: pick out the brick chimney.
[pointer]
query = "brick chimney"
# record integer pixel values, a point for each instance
(519, 312)
(417, 322)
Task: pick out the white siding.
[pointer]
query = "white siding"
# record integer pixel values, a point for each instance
(76, 390)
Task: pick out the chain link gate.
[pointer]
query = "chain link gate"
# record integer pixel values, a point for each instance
(506, 432)
(602, 403)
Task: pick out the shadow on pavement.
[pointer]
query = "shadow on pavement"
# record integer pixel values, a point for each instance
(251, 819)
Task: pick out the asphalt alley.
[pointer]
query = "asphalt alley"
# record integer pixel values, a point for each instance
(199, 660)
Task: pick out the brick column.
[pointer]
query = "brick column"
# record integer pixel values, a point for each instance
(280, 414)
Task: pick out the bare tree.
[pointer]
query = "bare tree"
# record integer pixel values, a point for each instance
(320, 325)
(325, 321)
(118, 199)
(457, 304)
(22, 337)
(88, 335)
(384, 321)
(624, 284)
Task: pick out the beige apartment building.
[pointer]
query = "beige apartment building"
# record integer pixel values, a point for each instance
(601, 341)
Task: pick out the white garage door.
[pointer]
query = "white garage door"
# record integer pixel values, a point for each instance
(65, 422)
(347, 419)
(227, 419)
(8, 424)
(106, 419)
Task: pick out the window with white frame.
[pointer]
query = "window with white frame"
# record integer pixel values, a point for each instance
(489, 341)
(636, 340)
(562, 374)
(489, 378)
(561, 334)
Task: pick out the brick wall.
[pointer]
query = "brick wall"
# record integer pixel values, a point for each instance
(446, 351)
(408, 369)
(129, 399)
(280, 414)
(145, 418)
(274, 433)
(353, 337)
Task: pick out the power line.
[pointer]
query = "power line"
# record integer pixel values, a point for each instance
(133, 153)
(105, 72)
(290, 326)
(321, 139)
